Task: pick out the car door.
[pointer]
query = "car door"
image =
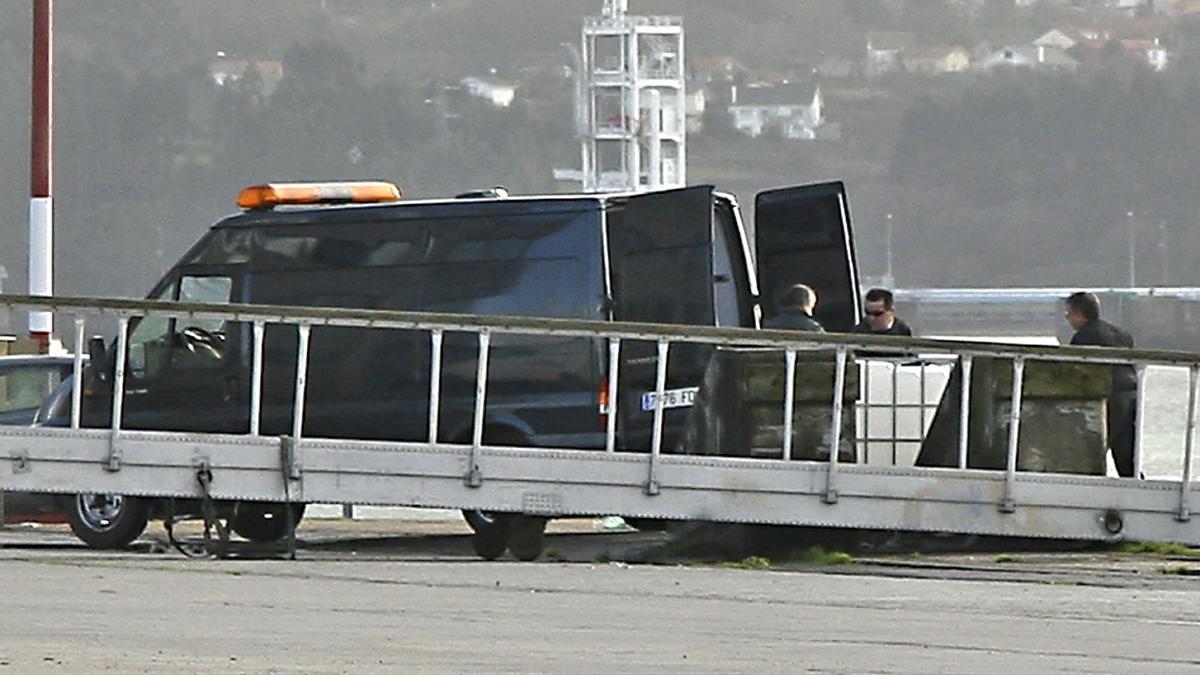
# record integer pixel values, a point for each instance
(660, 251)
(804, 235)
(185, 374)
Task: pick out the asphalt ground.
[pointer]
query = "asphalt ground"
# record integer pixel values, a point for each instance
(410, 597)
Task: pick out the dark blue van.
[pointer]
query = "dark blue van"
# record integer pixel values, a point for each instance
(672, 257)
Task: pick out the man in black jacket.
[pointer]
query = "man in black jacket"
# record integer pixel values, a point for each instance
(1083, 313)
(796, 311)
(881, 319)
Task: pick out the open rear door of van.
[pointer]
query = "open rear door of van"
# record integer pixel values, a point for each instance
(660, 251)
(804, 236)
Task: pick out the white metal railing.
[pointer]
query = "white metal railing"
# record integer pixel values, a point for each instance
(789, 344)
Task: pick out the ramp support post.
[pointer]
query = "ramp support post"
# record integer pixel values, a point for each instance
(789, 403)
(113, 463)
(436, 338)
(1185, 485)
(835, 432)
(614, 373)
(660, 388)
(964, 414)
(77, 373)
(256, 379)
(1009, 505)
(474, 476)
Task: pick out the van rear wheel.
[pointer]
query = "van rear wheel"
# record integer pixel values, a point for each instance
(107, 522)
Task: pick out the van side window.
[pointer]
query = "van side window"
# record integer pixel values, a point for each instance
(150, 341)
(202, 343)
(532, 264)
(157, 342)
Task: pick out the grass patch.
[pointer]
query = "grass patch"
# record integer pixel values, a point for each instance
(1181, 570)
(817, 555)
(1006, 558)
(754, 562)
(553, 553)
(1158, 548)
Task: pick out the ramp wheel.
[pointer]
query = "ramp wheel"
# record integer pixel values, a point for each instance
(527, 538)
(491, 540)
(262, 522)
(478, 520)
(107, 521)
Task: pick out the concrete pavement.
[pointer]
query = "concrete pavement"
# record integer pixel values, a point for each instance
(419, 603)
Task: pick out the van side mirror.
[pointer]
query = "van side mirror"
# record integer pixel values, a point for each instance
(98, 355)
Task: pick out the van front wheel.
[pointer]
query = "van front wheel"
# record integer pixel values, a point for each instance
(107, 522)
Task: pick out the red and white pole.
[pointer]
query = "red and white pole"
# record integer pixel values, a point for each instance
(41, 203)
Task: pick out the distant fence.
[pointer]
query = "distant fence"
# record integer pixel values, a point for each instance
(1158, 318)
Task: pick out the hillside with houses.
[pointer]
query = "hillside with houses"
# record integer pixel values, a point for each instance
(993, 137)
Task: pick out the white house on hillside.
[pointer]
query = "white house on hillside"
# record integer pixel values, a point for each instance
(798, 112)
(499, 94)
(1029, 56)
(937, 60)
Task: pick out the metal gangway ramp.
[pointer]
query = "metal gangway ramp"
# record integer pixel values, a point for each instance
(649, 482)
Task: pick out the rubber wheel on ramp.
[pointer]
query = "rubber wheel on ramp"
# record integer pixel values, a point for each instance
(527, 537)
(264, 522)
(491, 539)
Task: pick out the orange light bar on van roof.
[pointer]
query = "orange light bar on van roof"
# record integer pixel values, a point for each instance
(283, 194)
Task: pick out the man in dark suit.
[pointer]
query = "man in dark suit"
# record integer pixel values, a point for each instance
(796, 311)
(881, 319)
(1083, 313)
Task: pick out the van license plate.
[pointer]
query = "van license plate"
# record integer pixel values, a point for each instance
(672, 398)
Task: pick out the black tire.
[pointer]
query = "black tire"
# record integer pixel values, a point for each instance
(491, 541)
(264, 522)
(478, 520)
(107, 522)
(527, 538)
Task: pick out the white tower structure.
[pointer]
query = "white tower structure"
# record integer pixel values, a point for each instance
(633, 107)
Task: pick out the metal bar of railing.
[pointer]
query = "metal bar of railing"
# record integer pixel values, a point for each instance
(474, 475)
(727, 336)
(256, 379)
(964, 413)
(895, 413)
(304, 332)
(866, 397)
(614, 373)
(436, 338)
(789, 403)
(1139, 429)
(1014, 436)
(113, 462)
(1184, 513)
(660, 387)
(835, 432)
(921, 405)
(362, 318)
(77, 373)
